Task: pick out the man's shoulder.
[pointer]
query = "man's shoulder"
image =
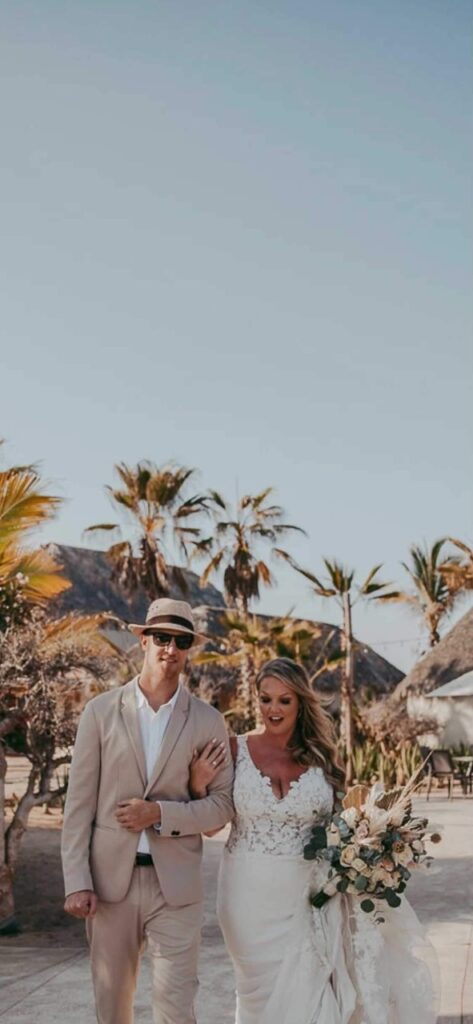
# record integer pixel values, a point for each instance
(105, 701)
(205, 710)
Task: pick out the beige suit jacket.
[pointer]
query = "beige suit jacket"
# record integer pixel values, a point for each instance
(108, 765)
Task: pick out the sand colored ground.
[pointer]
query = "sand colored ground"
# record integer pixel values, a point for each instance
(44, 969)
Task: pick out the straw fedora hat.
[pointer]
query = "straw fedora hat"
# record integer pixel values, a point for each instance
(164, 614)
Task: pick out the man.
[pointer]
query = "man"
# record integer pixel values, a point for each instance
(132, 838)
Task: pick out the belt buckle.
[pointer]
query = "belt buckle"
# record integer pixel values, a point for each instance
(143, 860)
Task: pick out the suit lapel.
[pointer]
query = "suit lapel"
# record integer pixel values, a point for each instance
(132, 725)
(175, 726)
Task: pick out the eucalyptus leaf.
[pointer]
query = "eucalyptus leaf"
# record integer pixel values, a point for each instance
(318, 839)
(319, 899)
(391, 898)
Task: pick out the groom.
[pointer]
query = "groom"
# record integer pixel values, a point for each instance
(132, 842)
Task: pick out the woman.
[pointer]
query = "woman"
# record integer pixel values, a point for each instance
(294, 964)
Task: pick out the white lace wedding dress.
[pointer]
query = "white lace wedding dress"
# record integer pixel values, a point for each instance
(294, 964)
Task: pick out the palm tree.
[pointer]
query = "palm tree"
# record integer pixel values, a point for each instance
(457, 573)
(27, 577)
(340, 584)
(153, 498)
(261, 639)
(432, 596)
(233, 547)
(254, 639)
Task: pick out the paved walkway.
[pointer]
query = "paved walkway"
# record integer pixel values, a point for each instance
(51, 986)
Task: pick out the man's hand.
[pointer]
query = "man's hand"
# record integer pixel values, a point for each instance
(135, 815)
(81, 904)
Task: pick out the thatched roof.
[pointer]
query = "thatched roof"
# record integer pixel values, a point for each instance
(94, 590)
(460, 687)
(452, 657)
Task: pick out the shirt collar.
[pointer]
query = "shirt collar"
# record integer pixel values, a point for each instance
(143, 703)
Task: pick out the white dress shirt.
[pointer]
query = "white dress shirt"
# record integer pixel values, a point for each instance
(153, 725)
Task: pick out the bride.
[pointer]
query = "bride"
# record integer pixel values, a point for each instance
(295, 964)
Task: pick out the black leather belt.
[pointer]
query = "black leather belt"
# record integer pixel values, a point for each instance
(144, 860)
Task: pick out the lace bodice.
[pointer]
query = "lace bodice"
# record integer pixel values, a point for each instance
(263, 823)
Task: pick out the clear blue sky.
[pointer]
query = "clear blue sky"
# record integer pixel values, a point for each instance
(237, 235)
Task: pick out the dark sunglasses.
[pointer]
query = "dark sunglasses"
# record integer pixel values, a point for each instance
(183, 641)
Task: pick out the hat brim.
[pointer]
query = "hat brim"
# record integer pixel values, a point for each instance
(163, 627)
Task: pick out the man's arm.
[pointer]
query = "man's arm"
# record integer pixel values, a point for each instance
(211, 812)
(81, 804)
(185, 818)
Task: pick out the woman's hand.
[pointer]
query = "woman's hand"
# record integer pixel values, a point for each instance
(204, 767)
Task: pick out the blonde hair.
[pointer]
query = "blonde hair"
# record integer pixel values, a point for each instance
(313, 741)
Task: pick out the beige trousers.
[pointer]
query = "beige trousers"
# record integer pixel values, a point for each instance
(117, 936)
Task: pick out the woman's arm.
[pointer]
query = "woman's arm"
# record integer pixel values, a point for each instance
(204, 767)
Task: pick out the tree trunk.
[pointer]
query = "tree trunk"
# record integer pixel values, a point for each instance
(19, 824)
(8, 925)
(246, 691)
(7, 903)
(434, 636)
(246, 688)
(346, 696)
(433, 617)
(11, 837)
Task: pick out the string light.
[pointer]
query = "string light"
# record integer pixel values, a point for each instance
(385, 643)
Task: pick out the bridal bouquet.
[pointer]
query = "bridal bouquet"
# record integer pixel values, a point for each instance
(371, 846)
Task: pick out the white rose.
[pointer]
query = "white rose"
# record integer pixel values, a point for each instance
(351, 816)
(385, 878)
(377, 874)
(333, 836)
(360, 866)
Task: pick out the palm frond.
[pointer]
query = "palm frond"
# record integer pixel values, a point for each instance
(212, 566)
(36, 572)
(370, 577)
(201, 547)
(341, 578)
(373, 588)
(265, 573)
(22, 505)
(106, 527)
(217, 499)
(320, 588)
(461, 546)
(280, 528)
(124, 499)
